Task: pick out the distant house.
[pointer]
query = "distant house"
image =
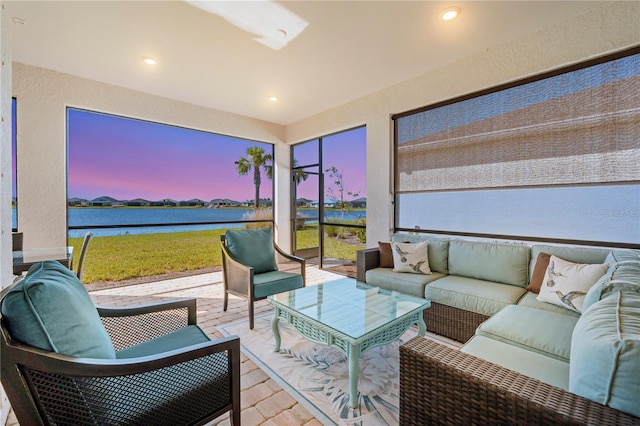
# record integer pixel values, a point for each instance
(168, 202)
(359, 203)
(104, 201)
(223, 202)
(77, 202)
(327, 203)
(194, 202)
(138, 202)
(264, 202)
(303, 202)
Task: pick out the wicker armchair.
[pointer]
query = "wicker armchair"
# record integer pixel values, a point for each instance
(241, 276)
(187, 385)
(443, 386)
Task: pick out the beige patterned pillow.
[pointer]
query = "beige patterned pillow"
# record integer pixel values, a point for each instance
(566, 283)
(409, 257)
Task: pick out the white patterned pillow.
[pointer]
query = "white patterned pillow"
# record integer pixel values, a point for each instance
(409, 257)
(566, 283)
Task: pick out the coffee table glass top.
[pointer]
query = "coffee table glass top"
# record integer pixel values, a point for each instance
(349, 306)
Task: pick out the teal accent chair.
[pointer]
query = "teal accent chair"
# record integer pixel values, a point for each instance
(250, 261)
(66, 361)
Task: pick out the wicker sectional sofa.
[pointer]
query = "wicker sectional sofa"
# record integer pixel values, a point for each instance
(524, 361)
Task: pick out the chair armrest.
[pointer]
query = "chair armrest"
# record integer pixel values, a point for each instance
(281, 254)
(238, 278)
(441, 385)
(128, 326)
(175, 387)
(366, 259)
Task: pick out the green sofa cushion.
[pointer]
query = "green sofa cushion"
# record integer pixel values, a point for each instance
(623, 274)
(438, 249)
(182, 338)
(50, 309)
(530, 300)
(253, 247)
(545, 332)
(605, 353)
(413, 284)
(500, 262)
(481, 297)
(532, 364)
(274, 282)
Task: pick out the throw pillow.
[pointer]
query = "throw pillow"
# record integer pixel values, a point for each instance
(386, 256)
(566, 283)
(50, 309)
(413, 258)
(542, 262)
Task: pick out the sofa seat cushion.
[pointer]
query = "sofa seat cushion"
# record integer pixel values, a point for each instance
(605, 353)
(182, 338)
(500, 262)
(530, 300)
(412, 284)
(481, 297)
(532, 364)
(544, 332)
(51, 309)
(269, 283)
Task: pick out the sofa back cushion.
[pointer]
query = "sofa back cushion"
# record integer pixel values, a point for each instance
(623, 274)
(50, 309)
(253, 247)
(605, 353)
(569, 253)
(438, 249)
(491, 261)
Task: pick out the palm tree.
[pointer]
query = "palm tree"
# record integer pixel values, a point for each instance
(255, 159)
(299, 176)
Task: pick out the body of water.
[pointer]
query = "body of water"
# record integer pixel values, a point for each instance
(89, 217)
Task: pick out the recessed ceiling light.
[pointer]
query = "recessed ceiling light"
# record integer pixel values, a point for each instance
(149, 60)
(273, 98)
(450, 13)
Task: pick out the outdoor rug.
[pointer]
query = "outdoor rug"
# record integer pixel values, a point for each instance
(317, 376)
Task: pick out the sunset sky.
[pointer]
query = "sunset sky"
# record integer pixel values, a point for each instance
(128, 159)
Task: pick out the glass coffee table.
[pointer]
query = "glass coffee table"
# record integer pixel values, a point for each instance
(350, 316)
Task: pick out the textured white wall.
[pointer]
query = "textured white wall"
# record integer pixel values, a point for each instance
(610, 28)
(42, 97)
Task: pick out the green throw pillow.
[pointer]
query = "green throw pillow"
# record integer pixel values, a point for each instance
(253, 247)
(50, 309)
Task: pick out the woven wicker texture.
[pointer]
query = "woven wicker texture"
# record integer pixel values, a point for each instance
(184, 393)
(454, 323)
(440, 385)
(126, 331)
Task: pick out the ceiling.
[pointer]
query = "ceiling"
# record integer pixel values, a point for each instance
(349, 48)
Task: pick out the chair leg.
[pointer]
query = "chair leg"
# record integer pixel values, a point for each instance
(226, 300)
(250, 314)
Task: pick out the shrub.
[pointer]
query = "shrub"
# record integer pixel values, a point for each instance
(259, 214)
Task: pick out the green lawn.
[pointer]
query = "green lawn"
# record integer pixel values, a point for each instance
(124, 257)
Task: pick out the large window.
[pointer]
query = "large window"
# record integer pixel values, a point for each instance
(133, 176)
(553, 158)
(329, 199)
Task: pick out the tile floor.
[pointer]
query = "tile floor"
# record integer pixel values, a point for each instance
(263, 401)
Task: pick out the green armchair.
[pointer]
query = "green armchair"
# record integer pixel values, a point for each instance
(64, 361)
(250, 267)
